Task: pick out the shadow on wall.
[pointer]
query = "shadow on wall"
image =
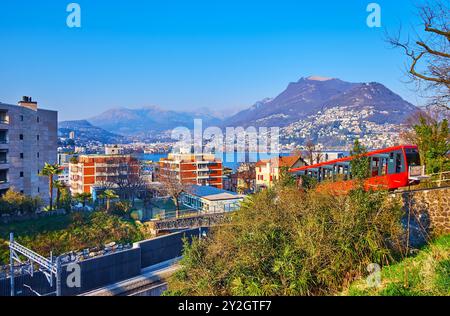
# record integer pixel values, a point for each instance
(428, 212)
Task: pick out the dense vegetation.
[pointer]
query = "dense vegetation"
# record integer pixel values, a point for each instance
(288, 242)
(76, 231)
(432, 137)
(15, 203)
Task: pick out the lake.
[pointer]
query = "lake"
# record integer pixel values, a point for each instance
(230, 160)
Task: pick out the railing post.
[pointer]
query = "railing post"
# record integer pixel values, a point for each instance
(58, 276)
(11, 262)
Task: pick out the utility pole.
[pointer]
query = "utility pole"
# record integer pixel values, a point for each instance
(11, 264)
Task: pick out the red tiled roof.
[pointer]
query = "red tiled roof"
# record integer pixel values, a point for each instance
(262, 163)
(288, 161)
(285, 161)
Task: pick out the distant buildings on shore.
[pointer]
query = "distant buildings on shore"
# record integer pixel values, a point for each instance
(28, 139)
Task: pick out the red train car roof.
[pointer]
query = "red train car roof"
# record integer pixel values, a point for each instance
(349, 158)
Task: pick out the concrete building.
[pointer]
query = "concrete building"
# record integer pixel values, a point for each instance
(149, 170)
(28, 139)
(90, 170)
(64, 176)
(63, 161)
(208, 199)
(113, 150)
(195, 169)
(268, 170)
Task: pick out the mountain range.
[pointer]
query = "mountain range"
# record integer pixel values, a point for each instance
(301, 108)
(88, 133)
(313, 94)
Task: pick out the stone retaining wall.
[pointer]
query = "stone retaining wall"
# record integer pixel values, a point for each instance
(430, 208)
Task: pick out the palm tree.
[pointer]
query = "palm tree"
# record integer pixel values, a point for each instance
(59, 187)
(49, 171)
(82, 197)
(109, 195)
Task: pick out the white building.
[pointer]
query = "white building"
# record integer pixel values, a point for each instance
(208, 199)
(113, 150)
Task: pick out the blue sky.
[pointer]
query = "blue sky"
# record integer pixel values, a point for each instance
(184, 55)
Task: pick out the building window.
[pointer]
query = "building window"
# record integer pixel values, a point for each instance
(39, 189)
(21, 174)
(4, 117)
(21, 118)
(21, 136)
(21, 191)
(37, 119)
(3, 176)
(38, 155)
(37, 137)
(21, 155)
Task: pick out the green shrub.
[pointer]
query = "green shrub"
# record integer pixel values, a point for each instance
(287, 242)
(13, 202)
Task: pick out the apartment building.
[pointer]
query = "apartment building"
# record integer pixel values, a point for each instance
(195, 169)
(268, 170)
(63, 161)
(91, 170)
(28, 139)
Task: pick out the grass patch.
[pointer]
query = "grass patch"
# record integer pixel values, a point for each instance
(426, 273)
(35, 226)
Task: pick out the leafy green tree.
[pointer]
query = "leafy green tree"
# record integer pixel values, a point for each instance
(66, 199)
(82, 197)
(50, 170)
(59, 186)
(286, 178)
(432, 138)
(360, 165)
(122, 208)
(308, 182)
(109, 195)
(13, 202)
